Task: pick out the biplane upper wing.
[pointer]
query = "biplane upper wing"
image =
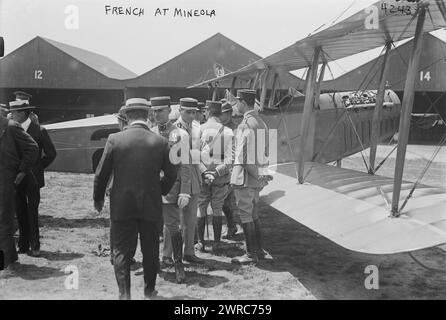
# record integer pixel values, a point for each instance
(384, 21)
(350, 208)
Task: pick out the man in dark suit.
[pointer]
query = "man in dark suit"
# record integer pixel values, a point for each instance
(28, 192)
(18, 153)
(136, 157)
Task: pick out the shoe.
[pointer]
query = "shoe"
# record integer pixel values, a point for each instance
(264, 255)
(150, 295)
(180, 275)
(193, 259)
(261, 253)
(247, 258)
(251, 246)
(34, 253)
(167, 261)
(200, 247)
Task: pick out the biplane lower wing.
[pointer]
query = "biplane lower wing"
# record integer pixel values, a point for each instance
(350, 208)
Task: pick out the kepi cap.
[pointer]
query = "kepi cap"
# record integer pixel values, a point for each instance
(21, 95)
(214, 106)
(189, 104)
(248, 95)
(201, 106)
(226, 106)
(158, 103)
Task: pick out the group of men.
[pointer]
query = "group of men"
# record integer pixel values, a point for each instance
(172, 172)
(25, 151)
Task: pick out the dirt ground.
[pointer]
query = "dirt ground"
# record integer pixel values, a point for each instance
(306, 265)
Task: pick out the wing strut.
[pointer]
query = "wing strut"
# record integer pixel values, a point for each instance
(376, 120)
(317, 93)
(264, 89)
(273, 91)
(406, 109)
(308, 108)
(233, 85)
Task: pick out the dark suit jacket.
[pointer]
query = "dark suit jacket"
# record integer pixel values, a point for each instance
(135, 156)
(18, 151)
(40, 135)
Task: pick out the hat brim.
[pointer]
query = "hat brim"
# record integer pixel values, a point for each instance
(135, 108)
(160, 107)
(21, 108)
(189, 108)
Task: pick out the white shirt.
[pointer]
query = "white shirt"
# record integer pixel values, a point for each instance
(25, 124)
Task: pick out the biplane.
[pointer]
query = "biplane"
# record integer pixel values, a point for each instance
(360, 211)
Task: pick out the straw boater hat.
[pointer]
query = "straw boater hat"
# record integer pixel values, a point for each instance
(136, 104)
(189, 104)
(19, 105)
(158, 103)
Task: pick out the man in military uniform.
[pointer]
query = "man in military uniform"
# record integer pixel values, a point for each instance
(18, 154)
(250, 175)
(180, 194)
(216, 154)
(28, 192)
(230, 204)
(186, 121)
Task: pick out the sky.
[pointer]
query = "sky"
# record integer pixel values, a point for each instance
(142, 42)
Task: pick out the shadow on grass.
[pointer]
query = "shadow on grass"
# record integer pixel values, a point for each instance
(51, 222)
(195, 278)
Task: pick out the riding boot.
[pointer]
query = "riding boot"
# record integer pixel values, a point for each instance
(177, 248)
(201, 224)
(251, 249)
(262, 254)
(217, 222)
(232, 228)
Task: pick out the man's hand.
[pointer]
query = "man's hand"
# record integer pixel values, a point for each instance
(209, 178)
(99, 205)
(19, 178)
(183, 200)
(265, 179)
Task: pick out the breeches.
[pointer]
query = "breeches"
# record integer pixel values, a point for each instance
(247, 203)
(215, 195)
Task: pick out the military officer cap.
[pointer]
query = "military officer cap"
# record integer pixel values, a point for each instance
(19, 105)
(121, 114)
(21, 95)
(136, 104)
(158, 103)
(247, 95)
(214, 106)
(201, 106)
(189, 104)
(226, 106)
